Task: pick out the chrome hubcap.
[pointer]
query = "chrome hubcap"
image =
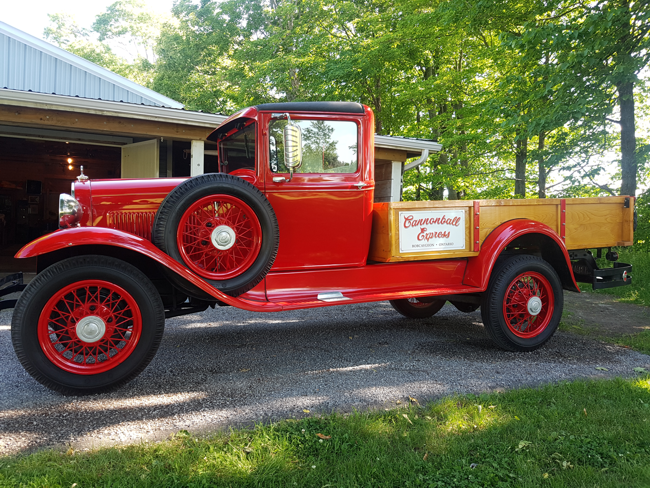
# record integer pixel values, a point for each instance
(534, 305)
(223, 237)
(90, 328)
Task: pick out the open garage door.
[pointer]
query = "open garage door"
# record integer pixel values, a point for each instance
(141, 160)
(32, 175)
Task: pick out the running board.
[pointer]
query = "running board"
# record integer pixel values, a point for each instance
(332, 296)
(338, 298)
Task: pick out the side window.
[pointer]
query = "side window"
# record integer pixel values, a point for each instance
(327, 146)
(238, 150)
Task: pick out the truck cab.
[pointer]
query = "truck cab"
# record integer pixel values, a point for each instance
(328, 201)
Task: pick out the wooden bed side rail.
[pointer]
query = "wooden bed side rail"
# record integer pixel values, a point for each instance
(581, 223)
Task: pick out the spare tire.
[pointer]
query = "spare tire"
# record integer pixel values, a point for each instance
(220, 227)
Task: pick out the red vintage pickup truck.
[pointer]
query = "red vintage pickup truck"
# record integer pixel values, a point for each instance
(290, 222)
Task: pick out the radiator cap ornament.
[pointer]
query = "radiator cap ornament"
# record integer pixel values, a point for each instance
(82, 177)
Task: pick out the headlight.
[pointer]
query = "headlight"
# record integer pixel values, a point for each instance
(70, 211)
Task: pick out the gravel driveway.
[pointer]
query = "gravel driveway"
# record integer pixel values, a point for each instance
(227, 367)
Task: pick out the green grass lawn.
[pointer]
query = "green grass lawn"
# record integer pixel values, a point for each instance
(586, 433)
(638, 293)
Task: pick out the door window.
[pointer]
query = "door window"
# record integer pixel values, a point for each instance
(327, 146)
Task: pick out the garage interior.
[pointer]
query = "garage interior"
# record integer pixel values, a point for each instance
(36, 166)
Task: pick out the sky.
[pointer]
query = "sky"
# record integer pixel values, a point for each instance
(31, 15)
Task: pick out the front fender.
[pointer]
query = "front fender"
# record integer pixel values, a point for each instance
(84, 236)
(480, 267)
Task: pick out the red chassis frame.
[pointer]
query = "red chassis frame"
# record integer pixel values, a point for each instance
(299, 289)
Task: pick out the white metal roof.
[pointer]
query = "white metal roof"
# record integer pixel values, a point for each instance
(406, 143)
(104, 107)
(31, 64)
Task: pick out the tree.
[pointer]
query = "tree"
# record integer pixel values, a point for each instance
(597, 50)
(67, 34)
(125, 26)
(132, 26)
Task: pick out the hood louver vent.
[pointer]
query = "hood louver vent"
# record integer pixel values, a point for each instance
(138, 223)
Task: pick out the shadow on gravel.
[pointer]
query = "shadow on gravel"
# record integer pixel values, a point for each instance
(227, 367)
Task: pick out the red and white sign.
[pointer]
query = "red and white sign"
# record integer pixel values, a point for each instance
(441, 230)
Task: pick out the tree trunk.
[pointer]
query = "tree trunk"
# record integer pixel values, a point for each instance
(438, 193)
(542, 169)
(628, 138)
(378, 115)
(294, 80)
(521, 156)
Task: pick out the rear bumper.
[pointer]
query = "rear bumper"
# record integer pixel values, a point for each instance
(619, 275)
(10, 284)
(585, 270)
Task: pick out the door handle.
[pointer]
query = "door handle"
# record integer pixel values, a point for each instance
(360, 186)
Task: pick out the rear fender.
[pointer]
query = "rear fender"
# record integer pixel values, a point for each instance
(93, 236)
(528, 236)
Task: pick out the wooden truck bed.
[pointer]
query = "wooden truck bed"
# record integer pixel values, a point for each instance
(410, 231)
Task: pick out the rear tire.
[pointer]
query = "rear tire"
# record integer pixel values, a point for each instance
(522, 306)
(416, 309)
(87, 324)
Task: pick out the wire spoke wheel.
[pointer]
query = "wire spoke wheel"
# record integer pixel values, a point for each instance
(89, 327)
(415, 303)
(222, 228)
(219, 237)
(87, 324)
(522, 307)
(528, 305)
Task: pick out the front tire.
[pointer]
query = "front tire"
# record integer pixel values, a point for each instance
(417, 309)
(522, 306)
(87, 324)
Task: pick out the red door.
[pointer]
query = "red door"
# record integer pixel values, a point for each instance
(325, 211)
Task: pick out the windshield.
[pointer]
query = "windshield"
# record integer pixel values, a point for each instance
(238, 151)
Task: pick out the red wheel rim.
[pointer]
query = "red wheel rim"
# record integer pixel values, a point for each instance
(89, 327)
(200, 228)
(415, 303)
(528, 305)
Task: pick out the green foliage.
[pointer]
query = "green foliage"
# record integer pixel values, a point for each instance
(639, 342)
(129, 22)
(125, 26)
(642, 233)
(586, 433)
(521, 95)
